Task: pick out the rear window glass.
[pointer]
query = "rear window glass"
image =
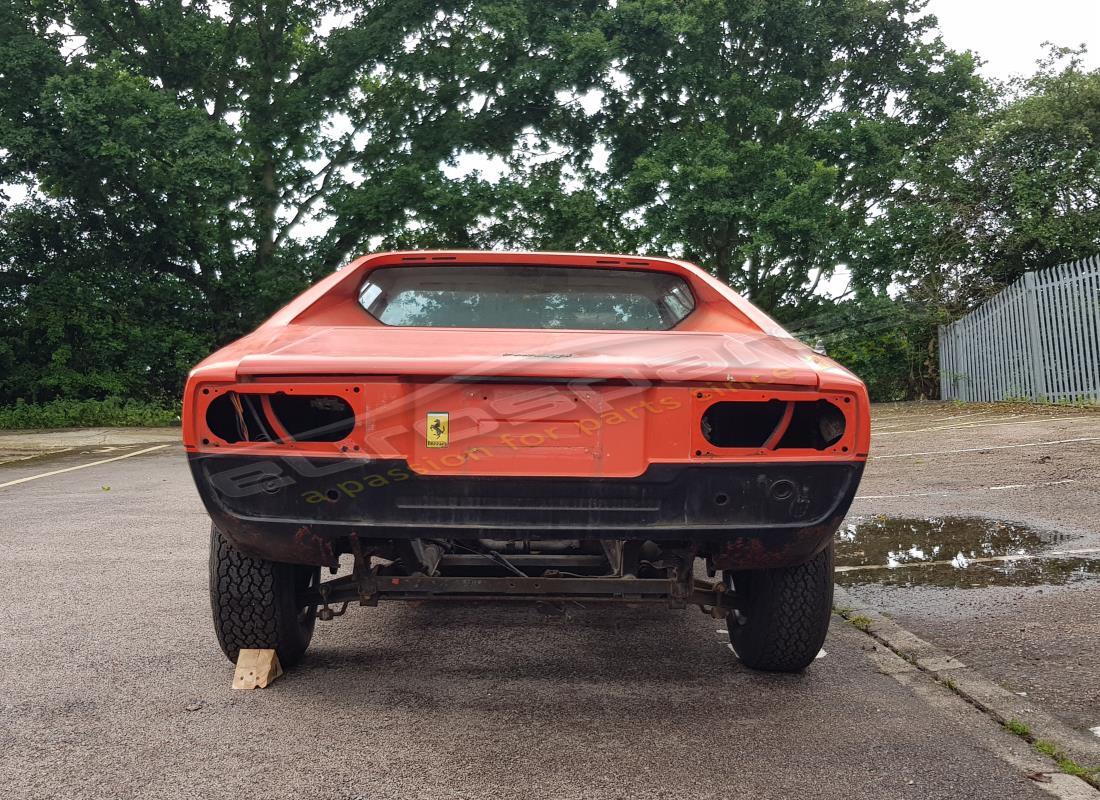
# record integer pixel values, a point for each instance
(526, 297)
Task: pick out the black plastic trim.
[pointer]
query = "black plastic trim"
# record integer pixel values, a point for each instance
(322, 502)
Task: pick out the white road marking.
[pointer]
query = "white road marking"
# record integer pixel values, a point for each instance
(965, 491)
(906, 419)
(984, 560)
(993, 447)
(1030, 485)
(983, 424)
(969, 414)
(1095, 730)
(83, 466)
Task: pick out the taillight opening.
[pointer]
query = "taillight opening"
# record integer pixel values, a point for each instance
(313, 418)
(742, 424)
(227, 417)
(236, 417)
(774, 424)
(817, 426)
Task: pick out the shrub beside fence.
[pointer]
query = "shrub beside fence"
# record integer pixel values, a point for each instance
(1038, 339)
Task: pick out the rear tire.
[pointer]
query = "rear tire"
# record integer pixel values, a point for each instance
(783, 614)
(254, 605)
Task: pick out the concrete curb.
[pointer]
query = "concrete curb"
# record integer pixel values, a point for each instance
(994, 700)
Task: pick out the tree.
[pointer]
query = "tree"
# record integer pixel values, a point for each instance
(186, 148)
(76, 323)
(1013, 188)
(889, 342)
(762, 138)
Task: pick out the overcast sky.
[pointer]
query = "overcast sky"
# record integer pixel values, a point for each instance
(1009, 34)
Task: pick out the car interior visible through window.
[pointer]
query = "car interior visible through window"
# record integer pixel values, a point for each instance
(548, 297)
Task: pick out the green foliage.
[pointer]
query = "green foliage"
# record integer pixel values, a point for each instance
(1038, 164)
(1013, 188)
(172, 153)
(175, 172)
(861, 622)
(889, 343)
(111, 412)
(757, 138)
(1049, 749)
(81, 322)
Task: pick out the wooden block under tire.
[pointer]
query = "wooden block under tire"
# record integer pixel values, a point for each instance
(256, 669)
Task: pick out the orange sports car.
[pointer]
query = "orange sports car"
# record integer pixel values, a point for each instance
(549, 427)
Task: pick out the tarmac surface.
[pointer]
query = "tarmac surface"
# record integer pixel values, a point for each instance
(1031, 625)
(112, 685)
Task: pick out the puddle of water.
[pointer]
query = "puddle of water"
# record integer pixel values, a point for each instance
(953, 552)
(893, 542)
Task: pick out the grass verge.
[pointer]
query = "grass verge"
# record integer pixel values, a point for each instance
(1090, 775)
(109, 413)
(861, 622)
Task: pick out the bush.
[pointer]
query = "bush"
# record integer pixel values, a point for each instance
(889, 343)
(111, 412)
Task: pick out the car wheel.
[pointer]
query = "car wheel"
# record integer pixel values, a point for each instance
(783, 614)
(254, 605)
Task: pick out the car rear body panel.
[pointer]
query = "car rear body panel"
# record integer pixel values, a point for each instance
(559, 355)
(522, 433)
(526, 429)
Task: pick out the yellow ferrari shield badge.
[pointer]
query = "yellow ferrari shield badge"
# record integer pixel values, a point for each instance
(438, 431)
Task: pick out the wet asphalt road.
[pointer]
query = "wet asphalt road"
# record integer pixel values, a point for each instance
(1022, 465)
(111, 685)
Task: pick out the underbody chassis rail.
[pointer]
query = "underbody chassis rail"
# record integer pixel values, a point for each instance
(371, 585)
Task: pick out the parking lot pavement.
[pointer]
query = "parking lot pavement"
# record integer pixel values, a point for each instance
(24, 445)
(1038, 465)
(111, 685)
(1030, 624)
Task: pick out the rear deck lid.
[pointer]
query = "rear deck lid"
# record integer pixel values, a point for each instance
(669, 356)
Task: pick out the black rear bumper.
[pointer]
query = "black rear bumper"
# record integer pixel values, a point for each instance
(306, 510)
